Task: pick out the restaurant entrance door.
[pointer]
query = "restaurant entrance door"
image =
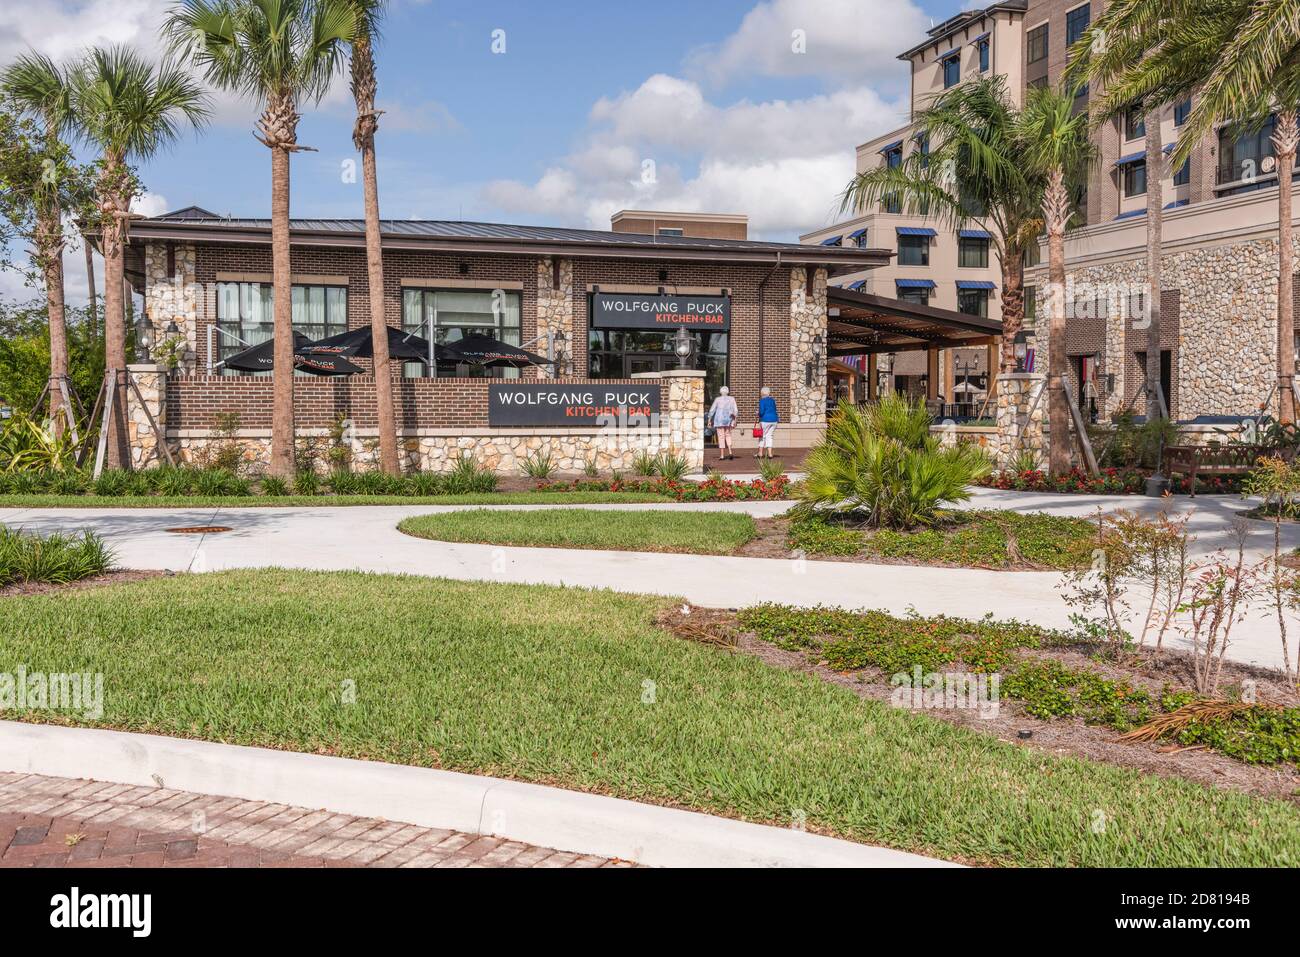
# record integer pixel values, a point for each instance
(634, 362)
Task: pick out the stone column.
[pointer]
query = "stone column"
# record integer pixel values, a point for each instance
(144, 442)
(807, 323)
(682, 415)
(171, 295)
(1022, 409)
(555, 304)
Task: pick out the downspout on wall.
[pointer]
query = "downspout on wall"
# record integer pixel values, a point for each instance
(762, 322)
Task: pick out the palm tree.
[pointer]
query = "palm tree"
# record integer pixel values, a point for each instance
(38, 88)
(1240, 61)
(1055, 145)
(128, 109)
(368, 14)
(282, 53)
(972, 172)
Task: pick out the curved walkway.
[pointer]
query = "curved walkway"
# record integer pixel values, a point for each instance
(366, 538)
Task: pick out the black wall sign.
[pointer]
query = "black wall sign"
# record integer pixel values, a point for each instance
(646, 311)
(563, 404)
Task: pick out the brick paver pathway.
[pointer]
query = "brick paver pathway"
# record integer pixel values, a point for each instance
(61, 822)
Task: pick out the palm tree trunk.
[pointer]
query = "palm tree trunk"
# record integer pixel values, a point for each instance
(1013, 304)
(1286, 136)
(282, 425)
(90, 289)
(1155, 161)
(117, 451)
(1056, 213)
(363, 137)
(50, 246)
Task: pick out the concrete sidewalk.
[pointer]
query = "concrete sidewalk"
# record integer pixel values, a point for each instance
(366, 538)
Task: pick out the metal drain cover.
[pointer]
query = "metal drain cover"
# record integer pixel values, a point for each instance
(198, 529)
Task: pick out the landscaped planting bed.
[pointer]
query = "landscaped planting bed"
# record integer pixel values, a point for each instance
(1112, 481)
(27, 559)
(581, 689)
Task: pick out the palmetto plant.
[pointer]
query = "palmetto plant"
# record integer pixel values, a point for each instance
(128, 109)
(881, 464)
(36, 87)
(283, 53)
(971, 171)
(1054, 143)
(1240, 61)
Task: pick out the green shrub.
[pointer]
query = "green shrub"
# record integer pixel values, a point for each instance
(342, 482)
(26, 483)
(645, 464)
(112, 483)
(1050, 689)
(813, 535)
(539, 465)
(1257, 735)
(71, 482)
(589, 468)
(770, 469)
(275, 487)
(467, 477)
(424, 483)
(882, 463)
(672, 467)
(378, 483)
(27, 445)
(56, 559)
(174, 481)
(214, 483)
(306, 482)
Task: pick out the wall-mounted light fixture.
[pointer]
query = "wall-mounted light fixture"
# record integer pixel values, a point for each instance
(683, 345)
(810, 368)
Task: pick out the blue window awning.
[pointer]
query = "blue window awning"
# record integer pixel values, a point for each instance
(1176, 203)
(982, 36)
(915, 231)
(914, 283)
(1131, 213)
(858, 232)
(1131, 158)
(973, 234)
(975, 284)
(855, 286)
(891, 146)
(832, 240)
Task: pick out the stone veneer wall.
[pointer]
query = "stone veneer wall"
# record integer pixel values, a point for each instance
(1227, 344)
(172, 295)
(679, 431)
(1022, 409)
(141, 437)
(807, 321)
(555, 303)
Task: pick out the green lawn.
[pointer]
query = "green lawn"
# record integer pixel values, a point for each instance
(552, 685)
(271, 501)
(644, 531)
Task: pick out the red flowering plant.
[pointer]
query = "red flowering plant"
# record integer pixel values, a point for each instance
(1126, 481)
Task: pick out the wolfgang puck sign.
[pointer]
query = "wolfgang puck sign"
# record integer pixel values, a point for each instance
(645, 311)
(589, 404)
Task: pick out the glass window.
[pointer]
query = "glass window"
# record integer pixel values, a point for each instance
(455, 314)
(670, 231)
(862, 241)
(245, 315)
(1135, 178)
(1182, 111)
(617, 353)
(893, 159)
(1031, 305)
(951, 70)
(919, 296)
(972, 253)
(1242, 151)
(914, 250)
(983, 49)
(1037, 41)
(1076, 23)
(973, 302)
(1135, 125)
(1184, 174)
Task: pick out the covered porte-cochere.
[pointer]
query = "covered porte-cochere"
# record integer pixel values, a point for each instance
(862, 328)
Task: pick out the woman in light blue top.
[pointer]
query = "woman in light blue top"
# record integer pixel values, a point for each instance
(767, 420)
(722, 416)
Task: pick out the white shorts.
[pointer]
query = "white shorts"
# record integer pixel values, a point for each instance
(769, 431)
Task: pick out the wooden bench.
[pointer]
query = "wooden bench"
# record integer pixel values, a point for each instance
(1191, 460)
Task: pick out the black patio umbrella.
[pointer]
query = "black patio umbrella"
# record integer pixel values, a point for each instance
(360, 344)
(486, 351)
(261, 358)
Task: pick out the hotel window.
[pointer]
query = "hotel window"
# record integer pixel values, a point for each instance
(914, 250)
(245, 315)
(919, 296)
(1135, 125)
(1182, 111)
(973, 302)
(893, 159)
(1037, 44)
(1076, 24)
(861, 241)
(972, 253)
(1184, 174)
(670, 231)
(951, 69)
(1135, 178)
(1031, 305)
(453, 314)
(983, 49)
(1242, 154)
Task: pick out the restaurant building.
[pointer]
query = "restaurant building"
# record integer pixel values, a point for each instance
(606, 310)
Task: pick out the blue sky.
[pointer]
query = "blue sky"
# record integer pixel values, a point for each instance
(749, 106)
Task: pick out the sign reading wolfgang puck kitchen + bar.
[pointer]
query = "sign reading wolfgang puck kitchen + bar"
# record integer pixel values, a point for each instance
(646, 311)
(529, 403)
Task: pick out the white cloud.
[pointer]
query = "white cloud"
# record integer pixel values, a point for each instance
(843, 40)
(781, 162)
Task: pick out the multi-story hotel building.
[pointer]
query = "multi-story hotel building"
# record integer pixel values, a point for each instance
(1218, 302)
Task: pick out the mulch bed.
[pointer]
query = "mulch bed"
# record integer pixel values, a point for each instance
(1065, 736)
(96, 581)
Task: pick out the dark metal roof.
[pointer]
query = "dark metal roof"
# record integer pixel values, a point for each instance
(937, 34)
(470, 236)
(872, 324)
